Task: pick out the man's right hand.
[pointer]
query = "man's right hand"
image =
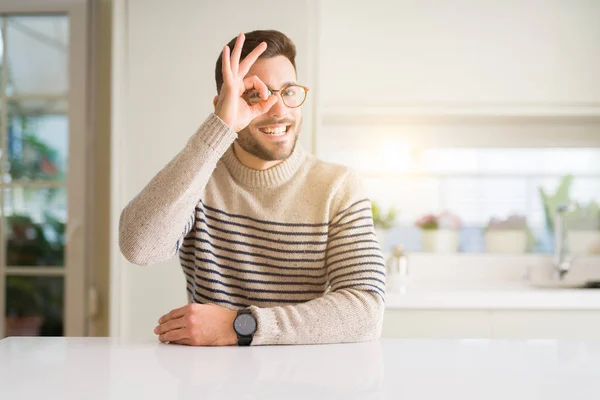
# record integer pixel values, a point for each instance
(231, 107)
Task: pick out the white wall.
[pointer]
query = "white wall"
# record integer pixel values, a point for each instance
(460, 52)
(164, 60)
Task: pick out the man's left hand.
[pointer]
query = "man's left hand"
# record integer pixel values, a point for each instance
(198, 325)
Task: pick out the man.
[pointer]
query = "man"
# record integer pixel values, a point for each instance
(276, 246)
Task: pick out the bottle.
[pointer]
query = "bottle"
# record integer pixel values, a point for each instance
(397, 271)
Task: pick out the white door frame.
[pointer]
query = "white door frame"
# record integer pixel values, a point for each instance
(80, 158)
(118, 125)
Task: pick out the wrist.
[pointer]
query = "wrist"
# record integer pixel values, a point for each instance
(230, 335)
(225, 120)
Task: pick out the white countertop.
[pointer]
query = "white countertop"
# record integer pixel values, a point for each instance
(103, 368)
(492, 282)
(507, 297)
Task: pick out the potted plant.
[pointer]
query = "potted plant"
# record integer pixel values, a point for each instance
(551, 202)
(582, 225)
(510, 235)
(382, 221)
(23, 311)
(440, 233)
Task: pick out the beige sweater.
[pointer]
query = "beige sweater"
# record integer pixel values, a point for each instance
(294, 243)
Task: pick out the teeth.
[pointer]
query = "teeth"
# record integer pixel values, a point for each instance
(274, 131)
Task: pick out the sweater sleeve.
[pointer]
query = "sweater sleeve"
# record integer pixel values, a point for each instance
(154, 223)
(352, 309)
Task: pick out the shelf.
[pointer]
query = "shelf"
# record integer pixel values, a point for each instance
(384, 114)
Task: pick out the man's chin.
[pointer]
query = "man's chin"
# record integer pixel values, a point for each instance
(257, 143)
(274, 154)
(276, 150)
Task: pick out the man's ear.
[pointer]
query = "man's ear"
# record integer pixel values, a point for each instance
(215, 100)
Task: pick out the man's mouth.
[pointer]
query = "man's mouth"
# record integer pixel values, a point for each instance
(275, 130)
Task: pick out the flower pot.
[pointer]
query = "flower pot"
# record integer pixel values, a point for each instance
(23, 326)
(509, 241)
(440, 240)
(583, 242)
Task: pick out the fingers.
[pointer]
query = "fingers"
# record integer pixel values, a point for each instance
(170, 325)
(226, 65)
(186, 342)
(176, 313)
(173, 336)
(231, 64)
(251, 59)
(235, 56)
(263, 106)
(254, 82)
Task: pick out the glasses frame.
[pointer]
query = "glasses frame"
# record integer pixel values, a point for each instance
(273, 91)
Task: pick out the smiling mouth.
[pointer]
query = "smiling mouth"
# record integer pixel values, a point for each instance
(275, 131)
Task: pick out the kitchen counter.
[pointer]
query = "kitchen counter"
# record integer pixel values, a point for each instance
(492, 282)
(111, 368)
(505, 297)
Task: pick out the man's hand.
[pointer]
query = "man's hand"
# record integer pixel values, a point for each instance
(231, 107)
(198, 325)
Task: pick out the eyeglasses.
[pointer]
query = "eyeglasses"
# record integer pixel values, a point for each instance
(293, 96)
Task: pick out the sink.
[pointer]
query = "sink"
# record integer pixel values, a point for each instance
(583, 274)
(565, 285)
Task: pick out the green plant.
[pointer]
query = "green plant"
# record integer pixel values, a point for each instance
(552, 202)
(24, 299)
(380, 220)
(28, 243)
(38, 160)
(583, 217)
(40, 298)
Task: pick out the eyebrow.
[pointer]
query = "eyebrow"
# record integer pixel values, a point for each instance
(284, 84)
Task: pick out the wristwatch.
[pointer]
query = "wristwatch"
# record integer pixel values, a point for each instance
(244, 326)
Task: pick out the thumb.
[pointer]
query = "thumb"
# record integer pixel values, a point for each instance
(264, 106)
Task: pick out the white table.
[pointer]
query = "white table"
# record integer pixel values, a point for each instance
(103, 368)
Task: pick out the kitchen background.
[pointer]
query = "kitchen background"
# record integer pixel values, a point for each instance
(469, 121)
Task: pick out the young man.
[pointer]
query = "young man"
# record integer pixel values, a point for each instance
(276, 246)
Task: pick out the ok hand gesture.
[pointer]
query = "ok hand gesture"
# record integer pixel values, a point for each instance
(231, 107)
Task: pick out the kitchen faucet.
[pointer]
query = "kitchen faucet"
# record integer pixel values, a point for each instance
(562, 263)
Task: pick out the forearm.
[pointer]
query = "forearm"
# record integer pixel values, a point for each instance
(155, 221)
(347, 315)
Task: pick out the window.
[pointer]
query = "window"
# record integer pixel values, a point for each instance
(42, 137)
(487, 177)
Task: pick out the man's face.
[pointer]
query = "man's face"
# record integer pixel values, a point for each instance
(262, 137)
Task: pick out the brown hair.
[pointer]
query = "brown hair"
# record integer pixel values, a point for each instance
(278, 44)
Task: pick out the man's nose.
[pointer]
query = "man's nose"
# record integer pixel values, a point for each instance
(279, 109)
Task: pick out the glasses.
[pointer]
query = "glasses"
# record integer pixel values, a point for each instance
(293, 96)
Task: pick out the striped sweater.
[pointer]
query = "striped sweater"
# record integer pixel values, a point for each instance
(295, 243)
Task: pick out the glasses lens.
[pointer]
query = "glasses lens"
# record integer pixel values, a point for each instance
(293, 96)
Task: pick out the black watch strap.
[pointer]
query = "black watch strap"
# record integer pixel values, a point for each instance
(244, 340)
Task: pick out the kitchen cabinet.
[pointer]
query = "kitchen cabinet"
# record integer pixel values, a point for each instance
(459, 53)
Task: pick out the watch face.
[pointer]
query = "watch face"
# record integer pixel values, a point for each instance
(245, 324)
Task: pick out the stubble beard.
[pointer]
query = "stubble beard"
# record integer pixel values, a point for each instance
(277, 152)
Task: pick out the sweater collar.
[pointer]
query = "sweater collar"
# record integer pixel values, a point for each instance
(271, 177)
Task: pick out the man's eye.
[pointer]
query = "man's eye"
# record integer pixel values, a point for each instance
(253, 94)
(289, 92)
